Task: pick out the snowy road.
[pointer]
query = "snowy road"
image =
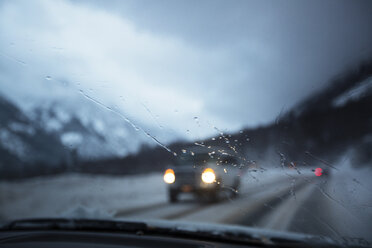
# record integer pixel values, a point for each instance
(280, 200)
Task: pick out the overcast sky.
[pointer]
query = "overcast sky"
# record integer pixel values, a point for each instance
(232, 64)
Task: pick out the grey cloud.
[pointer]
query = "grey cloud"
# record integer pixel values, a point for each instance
(251, 58)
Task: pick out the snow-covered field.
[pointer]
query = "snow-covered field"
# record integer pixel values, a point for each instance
(77, 195)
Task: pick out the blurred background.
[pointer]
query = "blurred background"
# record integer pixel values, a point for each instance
(87, 81)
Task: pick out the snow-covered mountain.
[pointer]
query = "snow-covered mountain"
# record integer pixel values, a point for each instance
(17, 139)
(50, 131)
(92, 130)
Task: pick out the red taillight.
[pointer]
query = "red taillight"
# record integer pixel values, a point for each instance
(318, 172)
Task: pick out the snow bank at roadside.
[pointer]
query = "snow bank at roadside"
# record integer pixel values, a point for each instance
(76, 195)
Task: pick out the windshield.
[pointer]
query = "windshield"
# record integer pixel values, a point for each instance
(248, 113)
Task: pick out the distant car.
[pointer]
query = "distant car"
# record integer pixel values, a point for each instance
(322, 172)
(205, 173)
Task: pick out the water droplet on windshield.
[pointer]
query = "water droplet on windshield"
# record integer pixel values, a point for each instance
(211, 153)
(48, 78)
(183, 151)
(192, 153)
(213, 138)
(196, 119)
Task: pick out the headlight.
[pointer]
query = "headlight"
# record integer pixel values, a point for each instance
(169, 176)
(208, 176)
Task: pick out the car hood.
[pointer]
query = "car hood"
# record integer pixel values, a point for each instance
(217, 232)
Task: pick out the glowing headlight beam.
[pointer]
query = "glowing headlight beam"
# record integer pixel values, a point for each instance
(169, 176)
(208, 176)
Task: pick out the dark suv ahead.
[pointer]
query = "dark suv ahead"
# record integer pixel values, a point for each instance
(205, 172)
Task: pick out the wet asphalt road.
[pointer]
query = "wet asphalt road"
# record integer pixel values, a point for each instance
(297, 204)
